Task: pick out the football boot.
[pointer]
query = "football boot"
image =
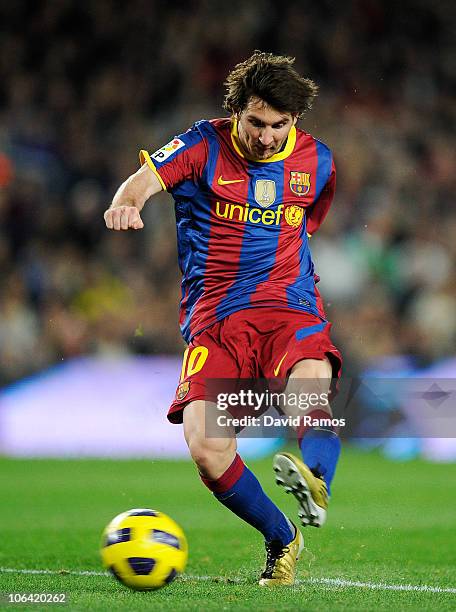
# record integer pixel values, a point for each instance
(281, 561)
(309, 490)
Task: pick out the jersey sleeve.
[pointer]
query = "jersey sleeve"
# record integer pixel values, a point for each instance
(179, 164)
(317, 212)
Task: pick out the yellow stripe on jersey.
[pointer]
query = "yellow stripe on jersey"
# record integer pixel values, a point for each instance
(291, 141)
(144, 158)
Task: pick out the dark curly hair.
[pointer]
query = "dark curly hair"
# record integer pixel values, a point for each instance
(270, 78)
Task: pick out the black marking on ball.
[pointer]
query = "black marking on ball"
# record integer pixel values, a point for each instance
(121, 535)
(113, 571)
(141, 566)
(143, 512)
(163, 537)
(172, 574)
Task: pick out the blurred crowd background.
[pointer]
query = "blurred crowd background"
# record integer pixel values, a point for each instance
(85, 85)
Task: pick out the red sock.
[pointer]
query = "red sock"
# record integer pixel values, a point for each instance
(227, 479)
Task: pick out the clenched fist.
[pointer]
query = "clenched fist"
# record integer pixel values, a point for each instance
(123, 218)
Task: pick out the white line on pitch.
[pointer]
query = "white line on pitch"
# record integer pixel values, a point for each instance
(330, 582)
(338, 582)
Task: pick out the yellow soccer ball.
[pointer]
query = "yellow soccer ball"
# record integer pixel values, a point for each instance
(144, 549)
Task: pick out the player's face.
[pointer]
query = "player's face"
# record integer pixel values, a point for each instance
(263, 130)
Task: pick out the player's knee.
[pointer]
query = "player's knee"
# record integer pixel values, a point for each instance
(311, 378)
(211, 455)
(313, 368)
(316, 371)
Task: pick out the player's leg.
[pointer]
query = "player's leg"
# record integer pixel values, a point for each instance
(320, 445)
(310, 479)
(222, 349)
(232, 483)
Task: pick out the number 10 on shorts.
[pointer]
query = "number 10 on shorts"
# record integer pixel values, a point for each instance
(193, 361)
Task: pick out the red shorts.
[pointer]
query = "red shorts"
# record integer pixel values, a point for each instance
(252, 343)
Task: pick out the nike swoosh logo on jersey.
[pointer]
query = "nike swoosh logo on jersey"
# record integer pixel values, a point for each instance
(221, 181)
(277, 369)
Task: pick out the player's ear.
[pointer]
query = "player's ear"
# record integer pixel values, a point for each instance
(295, 118)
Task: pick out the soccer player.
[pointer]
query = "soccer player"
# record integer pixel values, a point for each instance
(249, 190)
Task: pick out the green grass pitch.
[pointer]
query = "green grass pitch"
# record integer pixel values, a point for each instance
(389, 523)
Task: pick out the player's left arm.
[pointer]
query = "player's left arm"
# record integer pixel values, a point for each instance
(317, 212)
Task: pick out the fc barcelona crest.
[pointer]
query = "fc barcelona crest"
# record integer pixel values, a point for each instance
(300, 183)
(182, 390)
(265, 192)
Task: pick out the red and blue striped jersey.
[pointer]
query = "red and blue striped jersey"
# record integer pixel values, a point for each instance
(243, 224)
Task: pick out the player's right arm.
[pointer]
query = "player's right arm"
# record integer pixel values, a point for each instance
(129, 199)
(178, 165)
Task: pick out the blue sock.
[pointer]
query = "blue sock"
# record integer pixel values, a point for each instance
(247, 500)
(320, 449)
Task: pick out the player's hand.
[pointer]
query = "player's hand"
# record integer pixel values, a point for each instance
(123, 218)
